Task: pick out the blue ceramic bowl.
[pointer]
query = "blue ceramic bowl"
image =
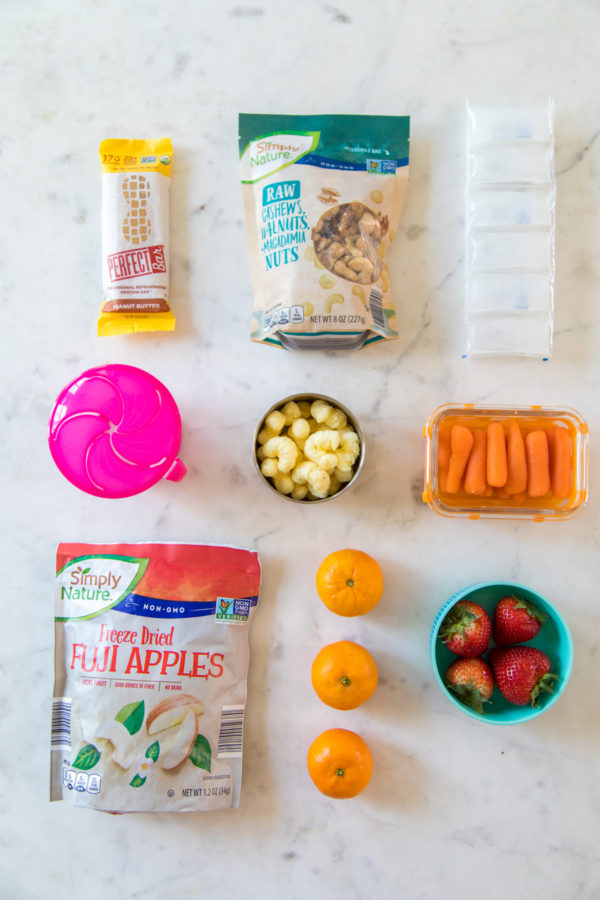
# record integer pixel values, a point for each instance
(554, 639)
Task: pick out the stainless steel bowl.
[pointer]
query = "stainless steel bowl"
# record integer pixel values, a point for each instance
(310, 397)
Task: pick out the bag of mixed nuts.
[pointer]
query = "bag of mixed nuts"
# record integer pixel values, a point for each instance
(322, 196)
(151, 661)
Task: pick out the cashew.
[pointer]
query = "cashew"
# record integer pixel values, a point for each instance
(310, 254)
(331, 300)
(284, 450)
(359, 292)
(364, 268)
(299, 492)
(304, 407)
(308, 308)
(340, 268)
(376, 196)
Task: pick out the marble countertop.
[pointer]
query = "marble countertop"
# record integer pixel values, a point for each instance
(453, 805)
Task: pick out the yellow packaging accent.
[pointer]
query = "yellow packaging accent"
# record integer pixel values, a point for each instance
(123, 155)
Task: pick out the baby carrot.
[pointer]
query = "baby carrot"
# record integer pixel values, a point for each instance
(461, 442)
(538, 468)
(497, 467)
(516, 482)
(443, 458)
(560, 462)
(475, 482)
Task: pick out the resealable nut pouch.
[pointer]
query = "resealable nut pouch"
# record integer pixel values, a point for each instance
(322, 198)
(151, 661)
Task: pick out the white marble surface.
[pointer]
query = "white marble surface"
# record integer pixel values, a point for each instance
(453, 806)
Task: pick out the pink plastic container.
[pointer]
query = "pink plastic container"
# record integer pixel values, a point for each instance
(115, 431)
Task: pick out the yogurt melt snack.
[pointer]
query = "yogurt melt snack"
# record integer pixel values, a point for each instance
(136, 178)
(322, 196)
(151, 661)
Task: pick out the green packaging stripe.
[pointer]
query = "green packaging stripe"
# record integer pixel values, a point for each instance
(344, 138)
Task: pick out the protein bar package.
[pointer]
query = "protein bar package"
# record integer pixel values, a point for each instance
(322, 197)
(136, 177)
(151, 662)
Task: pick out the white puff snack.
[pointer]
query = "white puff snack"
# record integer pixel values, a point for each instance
(321, 447)
(348, 451)
(291, 411)
(275, 421)
(284, 450)
(307, 450)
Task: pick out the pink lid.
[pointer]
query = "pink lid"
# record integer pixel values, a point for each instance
(115, 431)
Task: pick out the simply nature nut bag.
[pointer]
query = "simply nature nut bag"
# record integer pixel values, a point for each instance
(322, 197)
(151, 661)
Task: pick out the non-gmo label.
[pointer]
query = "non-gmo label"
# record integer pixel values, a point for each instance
(229, 610)
(381, 166)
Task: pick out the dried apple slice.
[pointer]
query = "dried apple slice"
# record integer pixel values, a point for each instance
(179, 744)
(172, 711)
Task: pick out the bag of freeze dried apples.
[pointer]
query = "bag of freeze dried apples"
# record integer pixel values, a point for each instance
(151, 661)
(322, 196)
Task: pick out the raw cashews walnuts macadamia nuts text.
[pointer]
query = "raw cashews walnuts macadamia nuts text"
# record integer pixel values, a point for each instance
(307, 450)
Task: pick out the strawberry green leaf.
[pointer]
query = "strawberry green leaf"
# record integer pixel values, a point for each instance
(543, 684)
(87, 757)
(456, 621)
(530, 608)
(469, 695)
(201, 755)
(131, 716)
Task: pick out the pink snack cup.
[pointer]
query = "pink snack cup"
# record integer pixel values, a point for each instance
(115, 431)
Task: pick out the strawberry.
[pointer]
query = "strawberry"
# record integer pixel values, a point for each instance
(466, 629)
(521, 674)
(472, 682)
(516, 620)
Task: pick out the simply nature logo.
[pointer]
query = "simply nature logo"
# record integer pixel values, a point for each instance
(89, 585)
(272, 152)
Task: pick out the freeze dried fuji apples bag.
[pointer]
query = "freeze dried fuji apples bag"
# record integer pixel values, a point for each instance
(151, 661)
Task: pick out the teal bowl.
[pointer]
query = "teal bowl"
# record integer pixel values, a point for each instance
(554, 639)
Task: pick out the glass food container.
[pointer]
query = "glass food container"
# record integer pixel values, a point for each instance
(496, 502)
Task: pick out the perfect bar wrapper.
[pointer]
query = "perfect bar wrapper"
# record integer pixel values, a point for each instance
(322, 196)
(151, 661)
(136, 177)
